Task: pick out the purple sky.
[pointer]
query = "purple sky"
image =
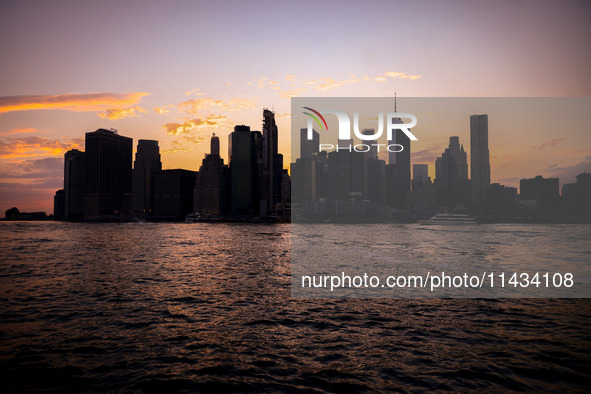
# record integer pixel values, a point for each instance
(177, 71)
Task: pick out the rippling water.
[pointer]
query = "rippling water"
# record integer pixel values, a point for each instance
(207, 307)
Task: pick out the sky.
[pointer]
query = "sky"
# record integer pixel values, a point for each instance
(178, 71)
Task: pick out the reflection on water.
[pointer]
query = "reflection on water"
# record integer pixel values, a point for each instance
(207, 307)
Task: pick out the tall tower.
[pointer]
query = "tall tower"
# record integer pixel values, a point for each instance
(479, 159)
(242, 171)
(398, 172)
(107, 172)
(210, 194)
(272, 165)
(73, 184)
(147, 162)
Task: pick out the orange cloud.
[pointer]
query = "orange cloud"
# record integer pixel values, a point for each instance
(209, 122)
(37, 146)
(396, 74)
(329, 84)
(193, 106)
(291, 93)
(161, 110)
(21, 130)
(195, 91)
(71, 101)
(120, 113)
(380, 79)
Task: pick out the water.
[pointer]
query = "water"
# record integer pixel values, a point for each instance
(207, 307)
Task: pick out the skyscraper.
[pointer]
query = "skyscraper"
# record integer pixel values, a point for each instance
(420, 176)
(173, 193)
(74, 174)
(242, 171)
(398, 170)
(272, 165)
(147, 162)
(107, 172)
(308, 147)
(479, 159)
(451, 176)
(210, 194)
(453, 163)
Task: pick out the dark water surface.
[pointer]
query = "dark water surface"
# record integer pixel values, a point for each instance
(207, 307)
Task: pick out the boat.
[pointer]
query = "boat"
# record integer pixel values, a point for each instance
(449, 218)
(192, 217)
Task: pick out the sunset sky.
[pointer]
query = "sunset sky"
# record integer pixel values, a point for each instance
(178, 71)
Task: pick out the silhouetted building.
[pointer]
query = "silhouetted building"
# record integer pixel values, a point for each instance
(74, 178)
(211, 184)
(451, 176)
(272, 165)
(147, 162)
(305, 179)
(543, 190)
(243, 171)
(453, 164)
(107, 172)
(308, 147)
(420, 176)
(479, 159)
(12, 214)
(173, 193)
(577, 196)
(59, 203)
(500, 197)
(398, 169)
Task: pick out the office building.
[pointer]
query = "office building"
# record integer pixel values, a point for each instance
(74, 175)
(147, 162)
(309, 147)
(243, 171)
(270, 182)
(108, 172)
(173, 193)
(398, 169)
(544, 191)
(420, 176)
(210, 196)
(479, 159)
(59, 205)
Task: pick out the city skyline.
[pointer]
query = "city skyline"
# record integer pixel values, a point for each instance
(180, 83)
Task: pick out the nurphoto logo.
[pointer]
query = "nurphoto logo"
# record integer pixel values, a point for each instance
(393, 122)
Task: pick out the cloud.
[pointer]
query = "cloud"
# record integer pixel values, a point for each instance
(21, 130)
(52, 167)
(36, 146)
(380, 79)
(194, 106)
(186, 127)
(71, 102)
(548, 144)
(290, 77)
(396, 74)
(291, 93)
(161, 110)
(195, 91)
(426, 155)
(120, 113)
(310, 83)
(286, 115)
(329, 84)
